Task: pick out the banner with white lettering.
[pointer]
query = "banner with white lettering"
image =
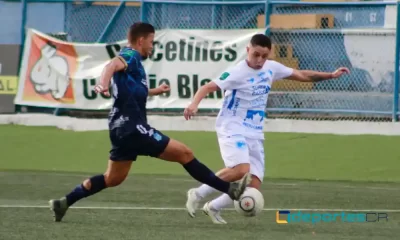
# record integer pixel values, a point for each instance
(63, 75)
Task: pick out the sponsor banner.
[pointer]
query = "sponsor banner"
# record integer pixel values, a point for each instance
(8, 85)
(61, 74)
(373, 68)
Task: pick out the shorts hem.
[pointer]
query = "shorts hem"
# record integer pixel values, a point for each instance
(162, 149)
(235, 164)
(114, 159)
(261, 179)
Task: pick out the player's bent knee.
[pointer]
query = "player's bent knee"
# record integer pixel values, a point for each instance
(255, 182)
(187, 155)
(116, 172)
(113, 180)
(241, 169)
(177, 152)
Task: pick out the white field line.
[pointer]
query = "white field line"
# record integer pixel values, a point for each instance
(194, 181)
(183, 209)
(172, 179)
(175, 179)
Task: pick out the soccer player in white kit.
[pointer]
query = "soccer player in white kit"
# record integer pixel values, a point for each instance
(240, 122)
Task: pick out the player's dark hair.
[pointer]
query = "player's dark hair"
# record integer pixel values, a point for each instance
(138, 30)
(261, 40)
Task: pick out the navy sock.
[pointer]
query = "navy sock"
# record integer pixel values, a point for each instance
(97, 183)
(203, 174)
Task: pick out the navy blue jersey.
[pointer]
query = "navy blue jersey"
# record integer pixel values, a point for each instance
(129, 90)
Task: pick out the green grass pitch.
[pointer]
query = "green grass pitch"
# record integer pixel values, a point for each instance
(323, 173)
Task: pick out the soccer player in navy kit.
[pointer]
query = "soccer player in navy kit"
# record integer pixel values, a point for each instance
(130, 134)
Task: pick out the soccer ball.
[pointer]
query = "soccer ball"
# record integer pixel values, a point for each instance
(250, 203)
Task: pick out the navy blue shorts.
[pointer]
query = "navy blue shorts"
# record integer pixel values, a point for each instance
(137, 140)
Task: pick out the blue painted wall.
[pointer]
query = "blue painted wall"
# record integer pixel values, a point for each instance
(45, 17)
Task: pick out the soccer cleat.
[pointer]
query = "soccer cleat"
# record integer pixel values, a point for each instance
(59, 207)
(236, 189)
(192, 202)
(213, 214)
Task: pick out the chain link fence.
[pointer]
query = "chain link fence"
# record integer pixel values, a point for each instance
(203, 16)
(315, 36)
(323, 38)
(86, 21)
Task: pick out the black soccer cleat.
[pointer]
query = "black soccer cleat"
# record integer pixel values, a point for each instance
(59, 207)
(236, 189)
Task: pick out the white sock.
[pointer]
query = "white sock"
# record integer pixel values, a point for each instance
(205, 190)
(221, 202)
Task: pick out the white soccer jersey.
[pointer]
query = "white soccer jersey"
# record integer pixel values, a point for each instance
(246, 96)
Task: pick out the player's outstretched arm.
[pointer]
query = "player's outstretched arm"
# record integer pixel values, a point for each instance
(200, 95)
(163, 88)
(315, 76)
(115, 65)
(203, 92)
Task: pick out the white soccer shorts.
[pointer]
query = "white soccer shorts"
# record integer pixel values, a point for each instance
(238, 149)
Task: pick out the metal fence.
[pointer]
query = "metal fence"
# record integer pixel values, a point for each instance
(351, 34)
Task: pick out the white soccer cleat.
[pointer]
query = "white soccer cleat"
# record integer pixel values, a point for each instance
(213, 214)
(192, 202)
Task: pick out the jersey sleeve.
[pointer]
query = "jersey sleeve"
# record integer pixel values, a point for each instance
(131, 59)
(227, 80)
(281, 71)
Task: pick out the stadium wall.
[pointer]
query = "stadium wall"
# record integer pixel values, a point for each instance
(9, 57)
(178, 123)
